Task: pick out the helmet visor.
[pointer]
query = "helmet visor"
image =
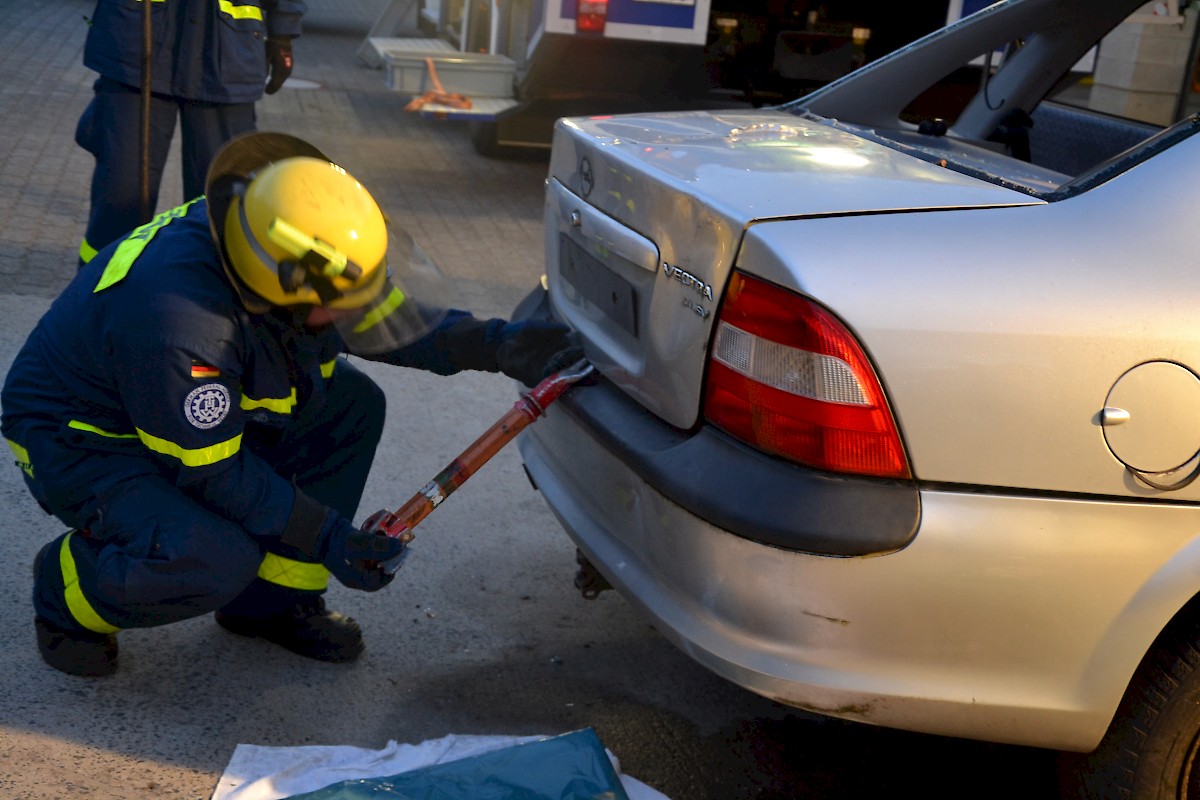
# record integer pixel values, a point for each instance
(407, 304)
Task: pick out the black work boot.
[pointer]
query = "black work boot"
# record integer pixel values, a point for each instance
(306, 628)
(74, 651)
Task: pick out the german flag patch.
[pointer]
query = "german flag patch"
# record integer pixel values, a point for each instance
(200, 370)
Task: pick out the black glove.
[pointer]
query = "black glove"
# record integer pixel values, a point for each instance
(279, 62)
(532, 350)
(357, 558)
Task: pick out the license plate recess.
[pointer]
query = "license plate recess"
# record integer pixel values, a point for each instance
(598, 284)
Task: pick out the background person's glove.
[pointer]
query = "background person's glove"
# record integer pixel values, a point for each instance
(532, 350)
(358, 558)
(279, 62)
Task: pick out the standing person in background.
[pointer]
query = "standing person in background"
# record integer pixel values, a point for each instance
(210, 62)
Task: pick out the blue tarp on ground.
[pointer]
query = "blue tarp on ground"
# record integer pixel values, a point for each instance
(573, 766)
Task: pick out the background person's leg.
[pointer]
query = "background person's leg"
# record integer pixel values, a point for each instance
(110, 129)
(205, 128)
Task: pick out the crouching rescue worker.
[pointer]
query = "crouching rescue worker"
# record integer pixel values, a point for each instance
(183, 409)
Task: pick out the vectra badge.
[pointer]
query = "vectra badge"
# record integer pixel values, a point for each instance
(692, 282)
(689, 280)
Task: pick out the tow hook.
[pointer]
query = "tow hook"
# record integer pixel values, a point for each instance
(588, 579)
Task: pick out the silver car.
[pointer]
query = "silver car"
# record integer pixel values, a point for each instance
(898, 416)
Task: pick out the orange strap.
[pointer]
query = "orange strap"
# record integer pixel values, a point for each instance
(438, 94)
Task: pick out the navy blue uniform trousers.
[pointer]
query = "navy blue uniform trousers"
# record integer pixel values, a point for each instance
(110, 129)
(152, 556)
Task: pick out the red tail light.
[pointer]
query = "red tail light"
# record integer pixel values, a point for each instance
(591, 16)
(788, 378)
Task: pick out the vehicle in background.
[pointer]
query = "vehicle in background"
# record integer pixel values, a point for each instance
(525, 63)
(897, 410)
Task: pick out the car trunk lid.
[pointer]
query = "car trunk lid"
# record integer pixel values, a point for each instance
(645, 214)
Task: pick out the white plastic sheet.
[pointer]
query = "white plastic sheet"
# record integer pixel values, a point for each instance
(256, 772)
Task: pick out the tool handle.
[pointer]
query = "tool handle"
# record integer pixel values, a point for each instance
(399, 523)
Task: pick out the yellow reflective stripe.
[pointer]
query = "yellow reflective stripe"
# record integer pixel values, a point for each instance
(377, 314)
(199, 457)
(132, 246)
(327, 369)
(86, 251)
(293, 574)
(22, 457)
(280, 405)
(83, 426)
(77, 604)
(241, 12)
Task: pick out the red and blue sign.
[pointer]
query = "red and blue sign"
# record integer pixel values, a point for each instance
(641, 12)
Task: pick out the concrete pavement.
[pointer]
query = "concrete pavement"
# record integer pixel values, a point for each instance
(479, 219)
(482, 633)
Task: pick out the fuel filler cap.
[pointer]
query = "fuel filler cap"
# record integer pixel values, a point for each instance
(1151, 418)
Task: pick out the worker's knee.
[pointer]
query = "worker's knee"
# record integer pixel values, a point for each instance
(364, 405)
(155, 549)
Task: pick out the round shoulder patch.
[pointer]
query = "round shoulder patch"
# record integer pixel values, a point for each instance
(206, 405)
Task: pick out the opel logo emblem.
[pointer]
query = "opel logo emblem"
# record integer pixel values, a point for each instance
(587, 181)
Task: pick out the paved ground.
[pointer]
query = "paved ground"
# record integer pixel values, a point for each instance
(480, 219)
(483, 632)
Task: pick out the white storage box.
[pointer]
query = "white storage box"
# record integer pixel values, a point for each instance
(472, 74)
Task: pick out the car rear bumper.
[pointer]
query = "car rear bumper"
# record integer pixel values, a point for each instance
(933, 638)
(1008, 618)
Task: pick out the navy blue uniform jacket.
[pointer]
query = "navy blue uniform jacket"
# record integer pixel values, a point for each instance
(207, 50)
(166, 365)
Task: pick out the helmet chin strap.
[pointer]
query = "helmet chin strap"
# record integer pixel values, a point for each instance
(293, 317)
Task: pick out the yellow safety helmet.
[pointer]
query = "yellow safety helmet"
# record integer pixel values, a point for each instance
(295, 229)
(305, 232)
